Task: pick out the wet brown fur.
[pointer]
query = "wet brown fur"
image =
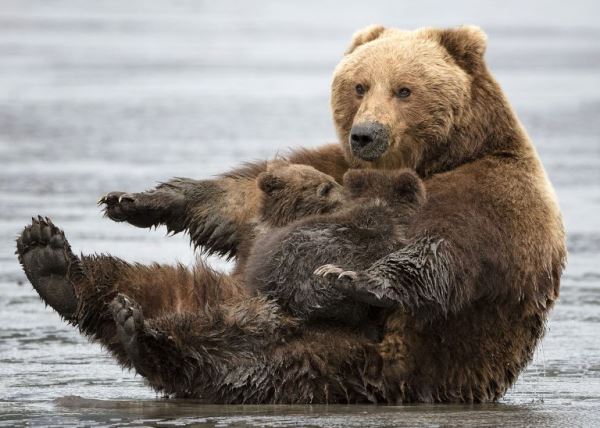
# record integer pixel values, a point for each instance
(468, 297)
(353, 225)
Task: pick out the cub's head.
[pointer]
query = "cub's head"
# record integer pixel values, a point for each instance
(403, 98)
(397, 188)
(293, 191)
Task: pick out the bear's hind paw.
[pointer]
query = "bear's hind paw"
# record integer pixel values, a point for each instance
(129, 321)
(50, 265)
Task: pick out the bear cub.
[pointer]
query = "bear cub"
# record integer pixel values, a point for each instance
(308, 220)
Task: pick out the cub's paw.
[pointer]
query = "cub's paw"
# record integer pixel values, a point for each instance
(326, 270)
(50, 265)
(129, 321)
(143, 209)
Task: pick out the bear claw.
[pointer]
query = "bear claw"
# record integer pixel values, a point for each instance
(138, 209)
(329, 269)
(49, 264)
(326, 270)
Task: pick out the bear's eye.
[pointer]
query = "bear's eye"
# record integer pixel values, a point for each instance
(360, 89)
(403, 93)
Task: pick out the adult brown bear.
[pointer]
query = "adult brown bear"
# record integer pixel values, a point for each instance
(467, 298)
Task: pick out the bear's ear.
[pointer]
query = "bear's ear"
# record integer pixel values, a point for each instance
(268, 183)
(407, 186)
(363, 36)
(465, 44)
(277, 163)
(356, 181)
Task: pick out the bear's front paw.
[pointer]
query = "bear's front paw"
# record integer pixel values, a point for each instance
(326, 270)
(143, 209)
(117, 205)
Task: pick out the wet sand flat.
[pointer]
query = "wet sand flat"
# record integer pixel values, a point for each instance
(115, 95)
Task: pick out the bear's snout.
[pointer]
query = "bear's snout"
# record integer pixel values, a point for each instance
(369, 140)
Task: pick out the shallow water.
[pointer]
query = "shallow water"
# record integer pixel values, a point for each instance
(111, 95)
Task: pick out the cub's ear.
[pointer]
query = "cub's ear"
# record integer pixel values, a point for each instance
(407, 185)
(465, 44)
(268, 183)
(356, 181)
(365, 35)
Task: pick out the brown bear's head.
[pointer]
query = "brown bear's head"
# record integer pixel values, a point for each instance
(294, 191)
(420, 99)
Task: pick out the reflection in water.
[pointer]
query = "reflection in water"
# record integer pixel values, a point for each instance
(189, 412)
(121, 96)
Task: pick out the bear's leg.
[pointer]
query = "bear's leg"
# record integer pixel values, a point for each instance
(81, 289)
(183, 204)
(218, 214)
(175, 350)
(248, 352)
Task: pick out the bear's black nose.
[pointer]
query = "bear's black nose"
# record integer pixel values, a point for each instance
(369, 140)
(361, 137)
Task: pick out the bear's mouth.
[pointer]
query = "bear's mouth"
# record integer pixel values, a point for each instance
(370, 154)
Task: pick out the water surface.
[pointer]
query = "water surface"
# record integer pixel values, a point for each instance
(115, 95)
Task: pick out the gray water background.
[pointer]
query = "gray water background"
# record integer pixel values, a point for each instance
(118, 95)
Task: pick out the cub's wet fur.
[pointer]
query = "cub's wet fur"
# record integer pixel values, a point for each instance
(366, 221)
